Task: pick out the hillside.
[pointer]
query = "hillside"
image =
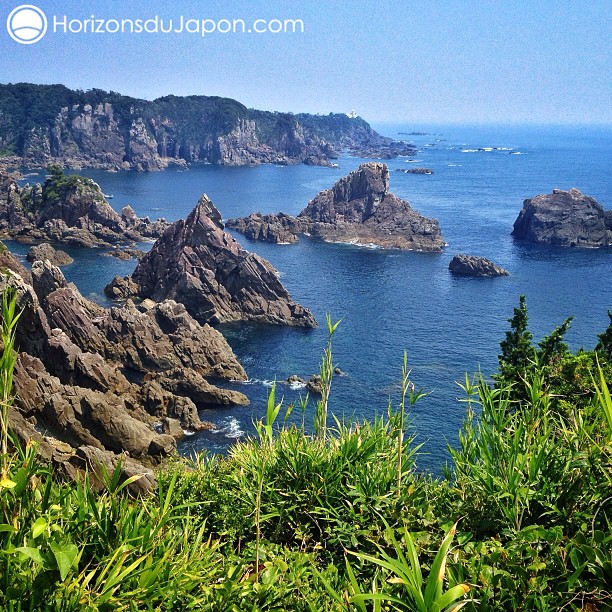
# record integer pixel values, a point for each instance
(45, 123)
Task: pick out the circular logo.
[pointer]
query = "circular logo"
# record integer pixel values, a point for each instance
(26, 24)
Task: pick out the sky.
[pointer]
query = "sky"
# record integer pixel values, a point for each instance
(439, 61)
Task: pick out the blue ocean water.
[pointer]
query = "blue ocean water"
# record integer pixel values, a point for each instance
(391, 302)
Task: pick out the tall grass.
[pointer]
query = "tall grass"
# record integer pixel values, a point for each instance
(338, 520)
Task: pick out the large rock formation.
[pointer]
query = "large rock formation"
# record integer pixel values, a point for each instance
(70, 375)
(564, 218)
(471, 265)
(199, 265)
(70, 210)
(278, 229)
(44, 123)
(43, 251)
(358, 209)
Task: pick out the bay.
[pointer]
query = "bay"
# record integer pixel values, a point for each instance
(390, 302)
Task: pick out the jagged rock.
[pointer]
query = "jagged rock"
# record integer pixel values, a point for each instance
(199, 265)
(358, 209)
(294, 379)
(564, 218)
(470, 265)
(74, 463)
(197, 388)
(68, 210)
(10, 262)
(278, 229)
(121, 288)
(69, 379)
(125, 254)
(44, 251)
(314, 384)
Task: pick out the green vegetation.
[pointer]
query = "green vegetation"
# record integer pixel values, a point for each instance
(341, 520)
(35, 117)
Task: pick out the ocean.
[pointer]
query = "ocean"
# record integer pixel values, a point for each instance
(388, 301)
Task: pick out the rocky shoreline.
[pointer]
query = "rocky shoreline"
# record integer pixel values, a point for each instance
(109, 131)
(68, 209)
(74, 357)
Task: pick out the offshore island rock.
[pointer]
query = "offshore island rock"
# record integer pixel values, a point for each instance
(201, 266)
(471, 265)
(566, 219)
(358, 209)
(43, 251)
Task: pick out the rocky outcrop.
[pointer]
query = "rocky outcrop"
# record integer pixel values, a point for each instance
(69, 210)
(70, 377)
(358, 209)
(415, 170)
(278, 229)
(471, 265)
(564, 218)
(46, 123)
(43, 251)
(201, 266)
(125, 254)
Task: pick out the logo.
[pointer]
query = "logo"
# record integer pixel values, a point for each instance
(26, 24)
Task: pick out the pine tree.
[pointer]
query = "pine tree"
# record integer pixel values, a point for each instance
(553, 345)
(517, 351)
(604, 346)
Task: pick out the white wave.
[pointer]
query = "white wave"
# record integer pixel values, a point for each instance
(469, 150)
(295, 386)
(229, 428)
(454, 165)
(188, 433)
(516, 153)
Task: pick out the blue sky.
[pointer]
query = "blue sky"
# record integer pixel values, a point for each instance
(437, 61)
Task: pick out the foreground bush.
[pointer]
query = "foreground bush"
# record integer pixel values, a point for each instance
(341, 519)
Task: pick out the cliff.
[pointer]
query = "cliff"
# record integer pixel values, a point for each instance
(358, 209)
(199, 265)
(566, 219)
(68, 209)
(43, 123)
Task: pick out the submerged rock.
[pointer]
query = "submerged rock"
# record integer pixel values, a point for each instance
(358, 209)
(564, 218)
(471, 265)
(201, 266)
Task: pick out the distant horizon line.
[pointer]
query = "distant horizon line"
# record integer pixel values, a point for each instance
(382, 121)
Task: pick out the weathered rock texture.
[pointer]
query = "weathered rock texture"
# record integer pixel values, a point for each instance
(43, 123)
(201, 266)
(279, 229)
(470, 265)
(43, 251)
(70, 210)
(358, 209)
(564, 218)
(72, 354)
